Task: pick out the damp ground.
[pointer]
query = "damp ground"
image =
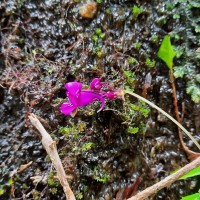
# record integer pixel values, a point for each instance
(45, 44)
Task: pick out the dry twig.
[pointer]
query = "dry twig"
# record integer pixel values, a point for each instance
(50, 147)
(166, 182)
(190, 154)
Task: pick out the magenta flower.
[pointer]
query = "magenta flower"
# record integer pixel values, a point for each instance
(96, 84)
(78, 97)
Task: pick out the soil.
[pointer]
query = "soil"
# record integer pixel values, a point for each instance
(45, 44)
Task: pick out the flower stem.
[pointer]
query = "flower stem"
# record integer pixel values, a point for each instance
(164, 113)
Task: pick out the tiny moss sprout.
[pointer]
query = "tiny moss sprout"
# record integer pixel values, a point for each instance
(154, 39)
(150, 63)
(137, 45)
(1, 191)
(99, 1)
(36, 194)
(176, 16)
(87, 146)
(131, 60)
(197, 29)
(133, 130)
(53, 183)
(136, 11)
(134, 116)
(194, 90)
(79, 195)
(129, 76)
(95, 37)
(100, 175)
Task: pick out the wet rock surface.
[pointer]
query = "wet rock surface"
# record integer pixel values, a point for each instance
(46, 43)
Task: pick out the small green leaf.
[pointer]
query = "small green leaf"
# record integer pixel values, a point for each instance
(10, 181)
(150, 63)
(136, 11)
(166, 52)
(195, 196)
(194, 91)
(133, 130)
(194, 172)
(179, 72)
(1, 191)
(88, 146)
(132, 60)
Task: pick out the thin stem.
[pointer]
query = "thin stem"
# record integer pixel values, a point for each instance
(166, 114)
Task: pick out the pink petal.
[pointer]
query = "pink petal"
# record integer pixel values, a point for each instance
(111, 95)
(96, 84)
(87, 97)
(73, 88)
(67, 108)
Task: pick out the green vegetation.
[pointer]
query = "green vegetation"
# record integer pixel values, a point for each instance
(193, 173)
(133, 130)
(79, 195)
(135, 115)
(73, 129)
(53, 183)
(193, 88)
(195, 196)
(98, 34)
(132, 60)
(150, 63)
(130, 77)
(36, 194)
(97, 38)
(100, 175)
(166, 52)
(137, 45)
(136, 11)
(99, 1)
(1, 191)
(87, 146)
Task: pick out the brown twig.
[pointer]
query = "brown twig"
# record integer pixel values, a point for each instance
(50, 147)
(190, 154)
(166, 182)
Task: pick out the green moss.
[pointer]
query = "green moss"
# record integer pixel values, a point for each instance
(87, 146)
(100, 175)
(133, 130)
(10, 181)
(79, 195)
(99, 1)
(136, 11)
(54, 191)
(66, 130)
(137, 45)
(131, 60)
(154, 39)
(2, 191)
(194, 90)
(150, 63)
(95, 37)
(129, 76)
(36, 194)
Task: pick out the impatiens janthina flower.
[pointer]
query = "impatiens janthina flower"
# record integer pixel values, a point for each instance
(79, 97)
(96, 84)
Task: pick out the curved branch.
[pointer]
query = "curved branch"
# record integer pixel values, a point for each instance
(51, 149)
(166, 182)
